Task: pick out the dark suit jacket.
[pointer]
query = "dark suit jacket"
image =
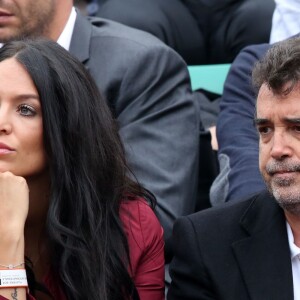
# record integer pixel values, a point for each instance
(148, 90)
(234, 252)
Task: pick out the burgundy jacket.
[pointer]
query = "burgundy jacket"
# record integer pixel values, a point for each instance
(146, 246)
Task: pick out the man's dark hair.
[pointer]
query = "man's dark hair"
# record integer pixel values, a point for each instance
(279, 69)
(88, 172)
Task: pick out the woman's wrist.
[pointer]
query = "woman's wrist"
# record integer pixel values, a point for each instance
(11, 232)
(12, 251)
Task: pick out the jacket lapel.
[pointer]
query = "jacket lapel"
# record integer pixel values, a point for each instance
(81, 38)
(264, 256)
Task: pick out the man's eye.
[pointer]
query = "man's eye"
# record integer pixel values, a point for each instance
(26, 110)
(264, 130)
(296, 128)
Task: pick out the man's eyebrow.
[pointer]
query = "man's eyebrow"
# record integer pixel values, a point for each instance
(292, 120)
(261, 121)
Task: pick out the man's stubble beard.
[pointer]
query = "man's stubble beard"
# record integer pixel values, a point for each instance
(35, 22)
(288, 200)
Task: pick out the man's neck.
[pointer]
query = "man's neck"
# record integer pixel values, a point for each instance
(60, 21)
(65, 38)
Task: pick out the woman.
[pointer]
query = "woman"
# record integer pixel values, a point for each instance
(68, 210)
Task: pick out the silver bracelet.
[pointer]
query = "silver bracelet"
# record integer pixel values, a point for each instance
(11, 266)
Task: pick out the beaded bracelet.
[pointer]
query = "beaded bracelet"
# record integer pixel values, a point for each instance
(11, 266)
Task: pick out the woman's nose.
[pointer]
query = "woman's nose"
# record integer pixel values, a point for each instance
(5, 122)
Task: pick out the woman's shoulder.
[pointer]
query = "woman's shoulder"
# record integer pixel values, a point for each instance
(145, 240)
(138, 205)
(139, 213)
(140, 223)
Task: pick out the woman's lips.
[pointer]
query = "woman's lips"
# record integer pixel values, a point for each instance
(5, 149)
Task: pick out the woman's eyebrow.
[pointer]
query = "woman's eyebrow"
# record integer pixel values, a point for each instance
(27, 96)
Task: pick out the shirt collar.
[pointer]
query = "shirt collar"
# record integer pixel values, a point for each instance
(295, 251)
(65, 37)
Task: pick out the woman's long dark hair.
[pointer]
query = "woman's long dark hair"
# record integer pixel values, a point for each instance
(88, 172)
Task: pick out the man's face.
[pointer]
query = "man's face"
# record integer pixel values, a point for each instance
(278, 124)
(25, 18)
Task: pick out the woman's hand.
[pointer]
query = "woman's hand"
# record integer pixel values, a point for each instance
(14, 204)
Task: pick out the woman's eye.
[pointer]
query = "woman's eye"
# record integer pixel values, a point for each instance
(26, 110)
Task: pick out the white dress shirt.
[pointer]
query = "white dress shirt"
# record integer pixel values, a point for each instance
(295, 258)
(65, 38)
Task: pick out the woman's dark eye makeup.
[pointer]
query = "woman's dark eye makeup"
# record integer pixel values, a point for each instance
(26, 110)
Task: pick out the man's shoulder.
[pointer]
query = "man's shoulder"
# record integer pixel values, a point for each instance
(230, 214)
(255, 52)
(257, 49)
(119, 34)
(249, 56)
(99, 41)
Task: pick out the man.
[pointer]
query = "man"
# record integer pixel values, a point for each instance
(251, 249)
(146, 85)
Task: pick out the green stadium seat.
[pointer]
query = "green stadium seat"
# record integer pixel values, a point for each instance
(209, 77)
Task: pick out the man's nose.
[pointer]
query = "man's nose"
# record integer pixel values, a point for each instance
(281, 146)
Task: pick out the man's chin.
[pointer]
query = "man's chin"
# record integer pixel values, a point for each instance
(7, 35)
(287, 198)
(5, 39)
(291, 207)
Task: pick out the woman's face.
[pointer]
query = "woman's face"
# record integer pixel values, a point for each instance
(21, 123)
